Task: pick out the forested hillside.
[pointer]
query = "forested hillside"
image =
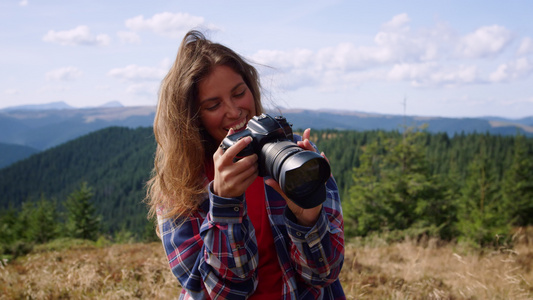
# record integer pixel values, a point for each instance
(473, 187)
(115, 162)
(468, 185)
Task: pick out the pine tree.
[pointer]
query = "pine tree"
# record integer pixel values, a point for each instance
(482, 217)
(23, 221)
(518, 184)
(394, 191)
(43, 223)
(8, 226)
(81, 219)
(364, 210)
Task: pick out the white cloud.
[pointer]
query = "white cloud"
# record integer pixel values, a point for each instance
(23, 3)
(432, 74)
(297, 58)
(138, 73)
(517, 69)
(173, 25)
(459, 75)
(526, 46)
(484, 42)
(410, 72)
(398, 21)
(394, 43)
(349, 57)
(64, 74)
(129, 37)
(80, 35)
(425, 57)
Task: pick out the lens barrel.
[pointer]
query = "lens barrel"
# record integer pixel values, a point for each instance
(300, 173)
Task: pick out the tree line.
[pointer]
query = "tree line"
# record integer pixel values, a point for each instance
(473, 187)
(45, 220)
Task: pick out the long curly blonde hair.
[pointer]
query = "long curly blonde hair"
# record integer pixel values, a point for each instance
(183, 146)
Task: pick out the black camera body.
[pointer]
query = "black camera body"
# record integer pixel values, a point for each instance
(300, 173)
(263, 129)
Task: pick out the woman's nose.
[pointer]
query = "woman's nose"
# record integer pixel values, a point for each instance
(233, 110)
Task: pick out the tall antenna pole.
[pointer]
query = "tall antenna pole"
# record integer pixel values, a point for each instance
(404, 115)
(404, 135)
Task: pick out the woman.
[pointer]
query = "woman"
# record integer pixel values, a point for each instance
(227, 232)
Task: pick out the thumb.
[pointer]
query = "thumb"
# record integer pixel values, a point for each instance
(274, 184)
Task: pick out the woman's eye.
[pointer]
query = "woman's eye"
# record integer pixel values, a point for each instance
(212, 107)
(240, 94)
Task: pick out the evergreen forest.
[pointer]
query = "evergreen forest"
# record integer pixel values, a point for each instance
(471, 187)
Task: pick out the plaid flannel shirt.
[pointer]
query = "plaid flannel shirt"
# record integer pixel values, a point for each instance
(214, 253)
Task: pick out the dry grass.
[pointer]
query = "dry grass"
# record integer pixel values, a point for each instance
(129, 271)
(376, 270)
(428, 270)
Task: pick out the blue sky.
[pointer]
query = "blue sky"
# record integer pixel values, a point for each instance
(445, 58)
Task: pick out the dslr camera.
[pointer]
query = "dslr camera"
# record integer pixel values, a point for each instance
(301, 174)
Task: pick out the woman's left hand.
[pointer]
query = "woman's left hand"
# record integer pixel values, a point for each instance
(305, 217)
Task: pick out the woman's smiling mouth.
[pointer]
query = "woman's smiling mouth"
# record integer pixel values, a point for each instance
(238, 126)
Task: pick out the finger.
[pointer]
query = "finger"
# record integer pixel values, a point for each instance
(232, 179)
(218, 153)
(248, 162)
(306, 144)
(246, 178)
(241, 169)
(307, 134)
(232, 151)
(236, 181)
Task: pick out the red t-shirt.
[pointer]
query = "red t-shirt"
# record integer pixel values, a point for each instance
(269, 275)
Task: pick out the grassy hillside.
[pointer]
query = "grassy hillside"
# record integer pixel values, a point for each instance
(427, 269)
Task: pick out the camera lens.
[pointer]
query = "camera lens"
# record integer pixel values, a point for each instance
(301, 174)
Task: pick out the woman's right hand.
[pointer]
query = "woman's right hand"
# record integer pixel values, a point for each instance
(233, 178)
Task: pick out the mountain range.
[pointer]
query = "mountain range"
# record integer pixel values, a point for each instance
(116, 163)
(25, 130)
(58, 105)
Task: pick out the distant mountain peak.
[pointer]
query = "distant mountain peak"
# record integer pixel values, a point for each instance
(58, 105)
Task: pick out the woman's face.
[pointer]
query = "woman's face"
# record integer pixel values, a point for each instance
(225, 102)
